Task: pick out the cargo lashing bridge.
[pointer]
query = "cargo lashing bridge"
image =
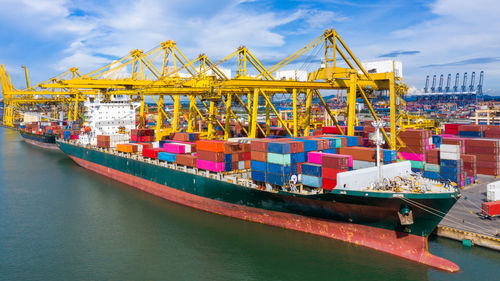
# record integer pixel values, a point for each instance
(165, 72)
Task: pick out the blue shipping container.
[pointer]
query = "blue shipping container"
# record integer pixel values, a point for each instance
(301, 157)
(450, 163)
(166, 156)
(416, 170)
(311, 181)
(278, 179)
(450, 170)
(258, 176)
(432, 175)
(228, 166)
(309, 145)
(311, 169)
(470, 134)
(278, 147)
(258, 166)
(278, 169)
(330, 150)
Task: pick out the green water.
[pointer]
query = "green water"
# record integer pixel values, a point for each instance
(59, 221)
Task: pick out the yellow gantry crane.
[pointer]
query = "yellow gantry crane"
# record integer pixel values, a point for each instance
(165, 71)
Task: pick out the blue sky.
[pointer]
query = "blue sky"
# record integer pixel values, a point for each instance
(429, 37)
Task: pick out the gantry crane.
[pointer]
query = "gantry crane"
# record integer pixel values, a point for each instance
(165, 71)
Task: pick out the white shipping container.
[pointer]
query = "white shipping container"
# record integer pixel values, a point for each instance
(452, 148)
(493, 186)
(363, 178)
(449, 156)
(493, 195)
(240, 140)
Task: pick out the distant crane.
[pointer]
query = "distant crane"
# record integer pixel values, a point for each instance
(433, 88)
(464, 84)
(448, 81)
(472, 80)
(480, 85)
(440, 87)
(457, 78)
(426, 89)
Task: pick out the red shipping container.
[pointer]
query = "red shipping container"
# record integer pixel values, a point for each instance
(210, 156)
(481, 150)
(471, 128)
(491, 208)
(412, 133)
(335, 161)
(451, 129)
(487, 157)
(482, 142)
(258, 156)
(260, 145)
(361, 153)
(328, 184)
(333, 130)
(489, 165)
(487, 171)
(186, 160)
(151, 152)
(296, 146)
(331, 173)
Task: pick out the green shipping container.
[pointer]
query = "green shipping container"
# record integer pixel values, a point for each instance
(417, 164)
(281, 159)
(432, 167)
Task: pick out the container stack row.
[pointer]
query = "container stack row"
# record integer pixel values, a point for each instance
(487, 155)
(417, 143)
(222, 156)
(142, 135)
(451, 164)
(322, 168)
(111, 141)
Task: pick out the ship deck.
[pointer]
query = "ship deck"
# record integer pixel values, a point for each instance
(243, 178)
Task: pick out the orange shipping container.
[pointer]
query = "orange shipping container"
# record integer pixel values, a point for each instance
(210, 145)
(126, 147)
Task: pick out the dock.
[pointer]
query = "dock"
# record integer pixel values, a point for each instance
(463, 222)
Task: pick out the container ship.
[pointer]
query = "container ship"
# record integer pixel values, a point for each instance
(44, 134)
(325, 185)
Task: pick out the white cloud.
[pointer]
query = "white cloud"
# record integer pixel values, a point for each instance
(126, 25)
(323, 19)
(82, 60)
(459, 30)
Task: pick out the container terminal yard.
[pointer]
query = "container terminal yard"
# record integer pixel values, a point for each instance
(342, 152)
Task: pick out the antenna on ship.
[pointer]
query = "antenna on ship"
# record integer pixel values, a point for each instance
(379, 140)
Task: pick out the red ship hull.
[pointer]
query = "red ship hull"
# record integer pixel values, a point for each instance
(407, 246)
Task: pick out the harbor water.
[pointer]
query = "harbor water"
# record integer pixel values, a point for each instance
(59, 221)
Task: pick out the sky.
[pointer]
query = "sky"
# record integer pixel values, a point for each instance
(429, 37)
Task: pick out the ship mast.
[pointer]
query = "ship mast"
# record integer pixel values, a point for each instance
(379, 141)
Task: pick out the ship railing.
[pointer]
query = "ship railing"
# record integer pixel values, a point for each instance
(239, 177)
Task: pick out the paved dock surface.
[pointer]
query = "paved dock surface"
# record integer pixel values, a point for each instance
(464, 217)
